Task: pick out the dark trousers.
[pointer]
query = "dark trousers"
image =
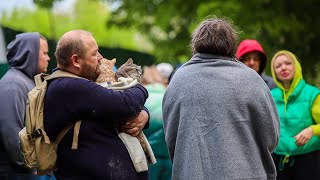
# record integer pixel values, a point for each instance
(300, 167)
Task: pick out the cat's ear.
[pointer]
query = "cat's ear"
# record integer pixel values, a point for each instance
(113, 61)
(129, 61)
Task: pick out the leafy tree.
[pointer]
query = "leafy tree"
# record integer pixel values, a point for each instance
(285, 24)
(45, 3)
(89, 15)
(166, 23)
(48, 4)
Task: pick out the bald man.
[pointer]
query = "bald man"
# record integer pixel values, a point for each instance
(100, 154)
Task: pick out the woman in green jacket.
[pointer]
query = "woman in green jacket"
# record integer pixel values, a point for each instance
(297, 155)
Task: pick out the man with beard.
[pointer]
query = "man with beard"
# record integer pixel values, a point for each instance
(100, 154)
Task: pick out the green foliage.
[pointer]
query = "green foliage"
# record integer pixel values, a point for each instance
(165, 22)
(86, 14)
(286, 24)
(120, 54)
(45, 3)
(19, 16)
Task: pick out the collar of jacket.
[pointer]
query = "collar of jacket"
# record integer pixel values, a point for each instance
(297, 90)
(205, 56)
(294, 93)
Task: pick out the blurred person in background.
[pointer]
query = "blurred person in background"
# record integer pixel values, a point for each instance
(250, 52)
(165, 70)
(297, 155)
(156, 84)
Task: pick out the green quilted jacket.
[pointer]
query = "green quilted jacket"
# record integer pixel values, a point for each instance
(296, 108)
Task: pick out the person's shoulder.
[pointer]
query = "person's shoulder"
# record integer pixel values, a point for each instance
(249, 78)
(276, 91)
(69, 83)
(269, 81)
(15, 79)
(248, 72)
(266, 77)
(312, 87)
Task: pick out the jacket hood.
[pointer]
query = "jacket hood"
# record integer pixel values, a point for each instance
(297, 75)
(23, 53)
(250, 45)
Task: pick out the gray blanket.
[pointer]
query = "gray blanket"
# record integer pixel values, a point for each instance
(220, 121)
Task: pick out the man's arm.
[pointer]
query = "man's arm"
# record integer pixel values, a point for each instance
(92, 101)
(137, 124)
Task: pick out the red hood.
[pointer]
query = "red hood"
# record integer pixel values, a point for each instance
(250, 45)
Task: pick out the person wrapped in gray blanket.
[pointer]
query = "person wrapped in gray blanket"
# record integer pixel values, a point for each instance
(219, 117)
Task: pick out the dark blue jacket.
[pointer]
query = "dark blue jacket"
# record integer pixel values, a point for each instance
(100, 154)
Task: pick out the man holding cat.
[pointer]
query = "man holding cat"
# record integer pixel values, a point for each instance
(100, 154)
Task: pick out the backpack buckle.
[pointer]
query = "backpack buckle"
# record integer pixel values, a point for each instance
(36, 133)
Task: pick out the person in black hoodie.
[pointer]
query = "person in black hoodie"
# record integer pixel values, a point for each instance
(27, 56)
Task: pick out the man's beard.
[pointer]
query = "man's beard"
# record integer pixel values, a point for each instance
(89, 72)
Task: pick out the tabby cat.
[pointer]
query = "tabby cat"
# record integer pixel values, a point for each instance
(127, 70)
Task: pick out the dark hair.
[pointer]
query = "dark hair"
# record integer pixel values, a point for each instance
(215, 36)
(67, 47)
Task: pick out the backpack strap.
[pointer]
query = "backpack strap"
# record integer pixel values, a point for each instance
(63, 133)
(38, 79)
(58, 74)
(75, 134)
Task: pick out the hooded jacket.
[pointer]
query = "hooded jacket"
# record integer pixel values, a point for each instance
(22, 55)
(299, 108)
(220, 121)
(250, 45)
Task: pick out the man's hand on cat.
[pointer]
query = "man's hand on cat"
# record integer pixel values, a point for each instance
(135, 126)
